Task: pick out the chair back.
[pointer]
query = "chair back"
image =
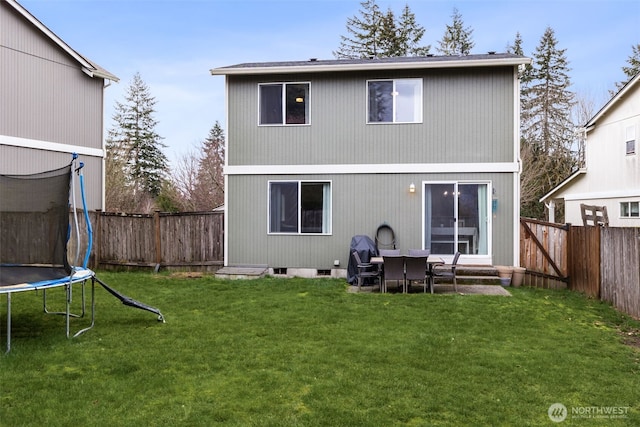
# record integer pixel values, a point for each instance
(455, 259)
(393, 267)
(416, 267)
(389, 252)
(356, 257)
(419, 252)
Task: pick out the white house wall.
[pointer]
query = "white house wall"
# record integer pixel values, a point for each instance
(612, 175)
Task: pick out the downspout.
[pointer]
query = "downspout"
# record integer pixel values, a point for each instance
(103, 195)
(516, 175)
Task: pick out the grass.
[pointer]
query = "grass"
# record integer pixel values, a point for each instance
(287, 352)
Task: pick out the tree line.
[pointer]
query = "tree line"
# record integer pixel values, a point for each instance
(138, 178)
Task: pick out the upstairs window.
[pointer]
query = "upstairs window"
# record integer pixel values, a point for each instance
(300, 207)
(630, 209)
(284, 103)
(394, 101)
(630, 140)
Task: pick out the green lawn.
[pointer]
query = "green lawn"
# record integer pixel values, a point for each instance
(286, 352)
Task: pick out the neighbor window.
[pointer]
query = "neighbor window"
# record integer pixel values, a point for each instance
(300, 207)
(284, 103)
(394, 101)
(630, 209)
(630, 141)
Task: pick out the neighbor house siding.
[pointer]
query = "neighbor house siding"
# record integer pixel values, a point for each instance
(49, 107)
(611, 175)
(467, 118)
(45, 94)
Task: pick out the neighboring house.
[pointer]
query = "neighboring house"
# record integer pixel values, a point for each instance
(611, 176)
(51, 102)
(319, 151)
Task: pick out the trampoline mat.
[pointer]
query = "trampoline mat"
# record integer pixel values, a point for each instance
(19, 274)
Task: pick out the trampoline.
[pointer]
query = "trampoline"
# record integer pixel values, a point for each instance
(36, 235)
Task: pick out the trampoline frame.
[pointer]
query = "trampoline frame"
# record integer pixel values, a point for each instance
(78, 275)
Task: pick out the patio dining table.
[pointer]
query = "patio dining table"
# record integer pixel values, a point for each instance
(432, 261)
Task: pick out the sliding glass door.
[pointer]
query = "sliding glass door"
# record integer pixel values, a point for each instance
(456, 218)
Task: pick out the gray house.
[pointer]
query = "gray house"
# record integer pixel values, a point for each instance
(51, 102)
(319, 151)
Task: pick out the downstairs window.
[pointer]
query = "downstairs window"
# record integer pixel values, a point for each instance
(300, 207)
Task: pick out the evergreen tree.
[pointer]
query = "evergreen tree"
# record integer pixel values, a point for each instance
(374, 34)
(134, 146)
(524, 71)
(409, 34)
(632, 69)
(209, 187)
(547, 132)
(457, 39)
(363, 33)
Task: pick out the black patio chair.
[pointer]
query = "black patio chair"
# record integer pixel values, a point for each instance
(367, 272)
(416, 270)
(394, 270)
(448, 272)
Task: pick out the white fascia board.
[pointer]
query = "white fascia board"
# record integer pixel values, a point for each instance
(618, 194)
(50, 146)
(551, 194)
(372, 66)
(350, 169)
(616, 98)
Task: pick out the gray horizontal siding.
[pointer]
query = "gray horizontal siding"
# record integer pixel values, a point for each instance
(45, 94)
(360, 204)
(468, 117)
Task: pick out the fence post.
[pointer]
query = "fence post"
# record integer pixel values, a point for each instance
(570, 233)
(156, 219)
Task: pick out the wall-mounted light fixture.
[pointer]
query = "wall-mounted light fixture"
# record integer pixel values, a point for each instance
(412, 188)
(299, 99)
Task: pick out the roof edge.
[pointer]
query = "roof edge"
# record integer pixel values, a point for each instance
(373, 65)
(88, 67)
(560, 186)
(621, 93)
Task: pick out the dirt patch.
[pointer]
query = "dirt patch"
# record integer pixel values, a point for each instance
(187, 275)
(631, 338)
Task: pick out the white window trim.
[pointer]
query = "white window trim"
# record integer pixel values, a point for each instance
(477, 258)
(284, 104)
(300, 182)
(628, 202)
(630, 136)
(394, 80)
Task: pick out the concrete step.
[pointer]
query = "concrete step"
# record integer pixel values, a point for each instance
(242, 272)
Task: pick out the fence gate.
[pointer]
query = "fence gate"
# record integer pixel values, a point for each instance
(544, 252)
(584, 260)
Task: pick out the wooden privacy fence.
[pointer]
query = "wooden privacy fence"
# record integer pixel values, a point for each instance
(602, 262)
(191, 240)
(544, 252)
(620, 268)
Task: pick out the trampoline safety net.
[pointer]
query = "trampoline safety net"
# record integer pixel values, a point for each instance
(34, 226)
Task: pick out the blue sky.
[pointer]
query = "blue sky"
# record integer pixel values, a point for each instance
(174, 43)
